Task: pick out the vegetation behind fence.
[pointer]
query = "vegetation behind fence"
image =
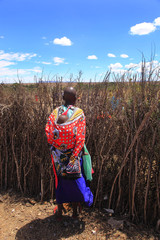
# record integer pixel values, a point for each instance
(123, 138)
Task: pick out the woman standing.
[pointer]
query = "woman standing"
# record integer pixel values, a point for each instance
(67, 140)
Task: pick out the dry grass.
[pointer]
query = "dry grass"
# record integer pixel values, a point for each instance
(123, 138)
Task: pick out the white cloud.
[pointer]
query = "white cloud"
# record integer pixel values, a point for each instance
(44, 38)
(148, 66)
(46, 44)
(58, 60)
(1, 37)
(5, 63)
(92, 57)
(124, 56)
(131, 65)
(15, 56)
(145, 27)
(115, 66)
(157, 21)
(6, 72)
(154, 64)
(134, 67)
(35, 70)
(142, 28)
(46, 63)
(111, 55)
(64, 41)
(9, 74)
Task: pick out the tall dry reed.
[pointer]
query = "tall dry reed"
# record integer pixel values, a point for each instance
(123, 138)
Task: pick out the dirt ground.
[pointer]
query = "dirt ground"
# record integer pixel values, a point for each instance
(26, 219)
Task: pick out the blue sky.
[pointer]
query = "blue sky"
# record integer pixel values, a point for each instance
(59, 38)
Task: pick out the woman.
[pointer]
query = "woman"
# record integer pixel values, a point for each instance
(67, 137)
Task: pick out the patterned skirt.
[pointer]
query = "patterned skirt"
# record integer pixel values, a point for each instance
(74, 190)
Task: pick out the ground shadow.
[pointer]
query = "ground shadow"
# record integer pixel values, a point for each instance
(50, 228)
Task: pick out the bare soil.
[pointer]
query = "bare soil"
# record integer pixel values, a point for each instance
(26, 219)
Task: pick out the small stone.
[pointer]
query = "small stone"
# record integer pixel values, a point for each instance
(117, 224)
(105, 197)
(28, 204)
(31, 201)
(108, 210)
(94, 231)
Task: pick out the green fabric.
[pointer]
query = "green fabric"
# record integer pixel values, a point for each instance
(87, 165)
